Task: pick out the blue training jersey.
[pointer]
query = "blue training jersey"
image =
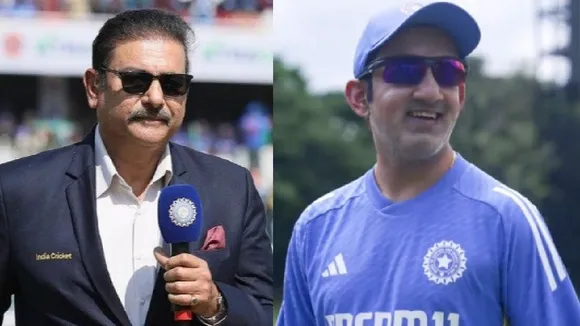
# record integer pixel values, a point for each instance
(469, 251)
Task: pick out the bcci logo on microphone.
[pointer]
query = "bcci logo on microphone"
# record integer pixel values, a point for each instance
(182, 212)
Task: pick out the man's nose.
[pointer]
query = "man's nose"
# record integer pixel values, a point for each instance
(428, 89)
(154, 96)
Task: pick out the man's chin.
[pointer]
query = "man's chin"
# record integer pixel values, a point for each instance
(147, 133)
(422, 151)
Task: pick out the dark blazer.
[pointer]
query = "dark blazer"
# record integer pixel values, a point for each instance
(47, 205)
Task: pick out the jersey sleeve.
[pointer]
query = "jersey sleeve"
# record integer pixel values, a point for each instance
(536, 289)
(296, 307)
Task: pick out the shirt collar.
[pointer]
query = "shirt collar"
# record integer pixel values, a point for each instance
(106, 171)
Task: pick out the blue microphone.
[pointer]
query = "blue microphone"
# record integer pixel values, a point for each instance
(180, 217)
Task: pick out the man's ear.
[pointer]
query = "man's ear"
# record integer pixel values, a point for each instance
(92, 87)
(462, 94)
(356, 97)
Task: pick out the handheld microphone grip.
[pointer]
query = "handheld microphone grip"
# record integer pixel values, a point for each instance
(182, 315)
(180, 217)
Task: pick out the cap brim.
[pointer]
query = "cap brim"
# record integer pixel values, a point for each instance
(458, 23)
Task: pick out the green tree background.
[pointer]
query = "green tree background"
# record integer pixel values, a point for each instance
(520, 131)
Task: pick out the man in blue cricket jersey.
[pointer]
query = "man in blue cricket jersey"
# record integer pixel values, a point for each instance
(424, 238)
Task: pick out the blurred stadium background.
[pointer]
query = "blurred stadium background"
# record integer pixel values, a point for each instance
(45, 47)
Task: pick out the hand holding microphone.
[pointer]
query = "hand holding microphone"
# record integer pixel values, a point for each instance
(189, 284)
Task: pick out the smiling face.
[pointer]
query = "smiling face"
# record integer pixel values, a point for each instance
(151, 116)
(410, 122)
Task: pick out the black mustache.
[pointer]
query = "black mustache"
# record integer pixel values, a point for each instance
(144, 114)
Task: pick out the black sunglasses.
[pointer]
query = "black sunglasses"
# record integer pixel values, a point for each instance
(138, 82)
(410, 70)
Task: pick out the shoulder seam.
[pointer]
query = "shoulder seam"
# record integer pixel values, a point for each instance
(315, 217)
(477, 200)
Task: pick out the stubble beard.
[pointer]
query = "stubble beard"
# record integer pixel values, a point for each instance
(397, 150)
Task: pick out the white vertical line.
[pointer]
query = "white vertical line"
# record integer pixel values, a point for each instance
(536, 234)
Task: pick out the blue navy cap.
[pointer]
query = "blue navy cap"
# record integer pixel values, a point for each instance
(451, 18)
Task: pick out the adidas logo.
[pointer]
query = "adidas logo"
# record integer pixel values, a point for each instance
(336, 267)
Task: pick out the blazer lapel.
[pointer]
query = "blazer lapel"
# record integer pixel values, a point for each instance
(183, 176)
(160, 309)
(80, 195)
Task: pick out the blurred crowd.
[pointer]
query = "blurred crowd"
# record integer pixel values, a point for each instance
(246, 142)
(198, 10)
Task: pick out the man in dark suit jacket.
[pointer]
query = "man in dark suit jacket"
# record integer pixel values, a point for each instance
(57, 242)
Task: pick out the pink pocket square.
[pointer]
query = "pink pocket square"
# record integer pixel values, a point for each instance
(215, 239)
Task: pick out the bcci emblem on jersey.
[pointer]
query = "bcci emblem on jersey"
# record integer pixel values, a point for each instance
(444, 263)
(182, 212)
